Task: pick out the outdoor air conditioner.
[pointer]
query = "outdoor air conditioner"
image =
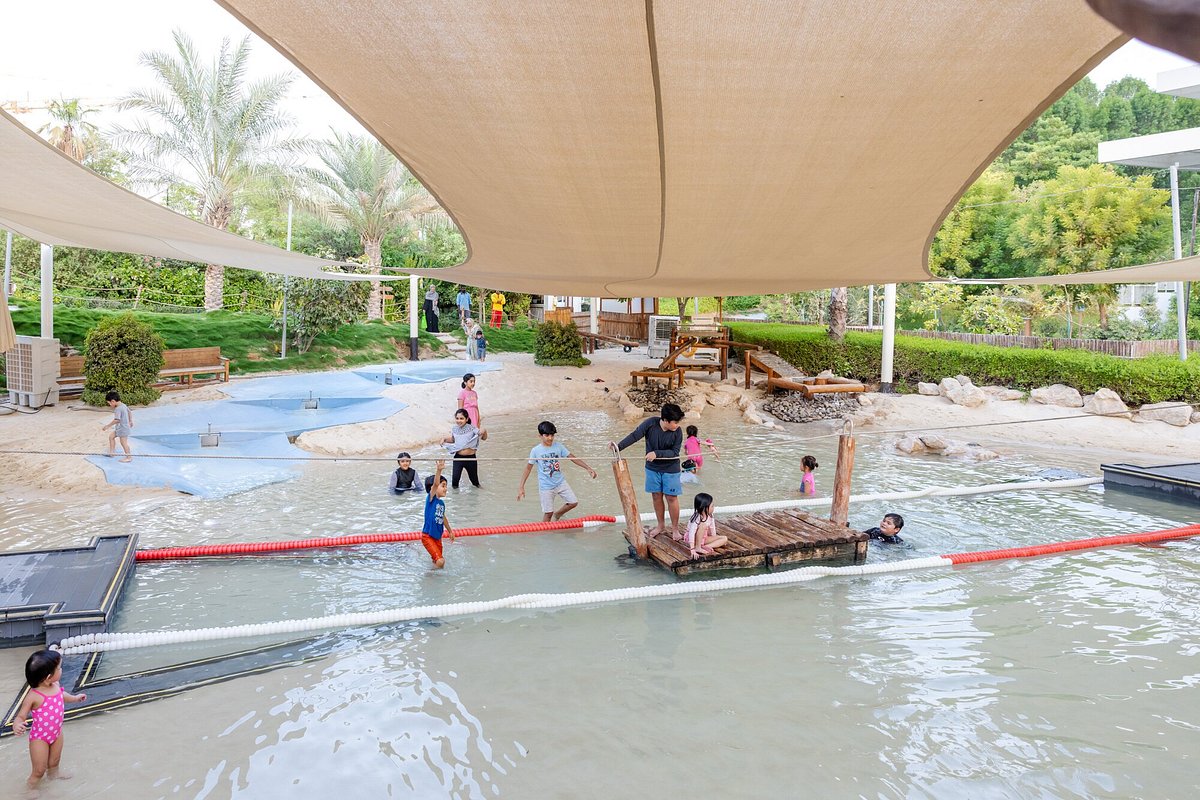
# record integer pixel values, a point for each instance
(660, 335)
(32, 372)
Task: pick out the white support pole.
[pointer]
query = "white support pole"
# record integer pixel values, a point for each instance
(286, 279)
(871, 306)
(889, 337)
(47, 292)
(413, 330)
(548, 302)
(1180, 287)
(594, 316)
(7, 266)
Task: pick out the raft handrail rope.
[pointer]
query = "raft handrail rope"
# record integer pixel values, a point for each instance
(929, 491)
(97, 642)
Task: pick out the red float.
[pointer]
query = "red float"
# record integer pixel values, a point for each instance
(253, 548)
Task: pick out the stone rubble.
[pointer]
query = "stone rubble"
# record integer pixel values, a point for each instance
(1057, 395)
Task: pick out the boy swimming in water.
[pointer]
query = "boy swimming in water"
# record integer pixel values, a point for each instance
(888, 531)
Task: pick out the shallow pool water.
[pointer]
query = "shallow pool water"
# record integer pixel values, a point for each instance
(1068, 676)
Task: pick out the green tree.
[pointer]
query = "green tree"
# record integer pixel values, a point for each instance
(1051, 146)
(1091, 219)
(215, 134)
(318, 306)
(973, 239)
(69, 129)
(365, 188)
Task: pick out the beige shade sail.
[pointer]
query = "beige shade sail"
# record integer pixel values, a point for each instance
(700, 147)
(1180, 269)
(48, 197)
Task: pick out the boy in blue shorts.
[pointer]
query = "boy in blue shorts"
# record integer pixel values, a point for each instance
(547, 457)
(435, 516)
(663, 441)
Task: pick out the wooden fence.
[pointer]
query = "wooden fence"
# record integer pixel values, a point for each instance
(624, 326)
(1112, 347)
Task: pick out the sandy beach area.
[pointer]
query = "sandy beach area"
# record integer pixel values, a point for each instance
(524, 388)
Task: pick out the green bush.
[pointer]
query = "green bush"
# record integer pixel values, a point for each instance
(1145, 380)
(558, 344)
(122, 354)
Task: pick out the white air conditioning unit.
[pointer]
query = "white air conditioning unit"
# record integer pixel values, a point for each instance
(660, 335)
(32, 372)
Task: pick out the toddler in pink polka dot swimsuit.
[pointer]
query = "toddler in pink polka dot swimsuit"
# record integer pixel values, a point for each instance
(41, 712)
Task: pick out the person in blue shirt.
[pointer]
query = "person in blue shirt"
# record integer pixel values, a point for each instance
(436, 523)
(552, 484)
(463, 301)
(663, 440)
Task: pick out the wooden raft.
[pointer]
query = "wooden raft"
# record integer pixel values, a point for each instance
(764, 539)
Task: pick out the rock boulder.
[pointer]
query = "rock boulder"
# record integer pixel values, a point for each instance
(1108, 403)
(967, 395)
(1178, 414)
(1057, 395)
(928, 389)
(947, 385)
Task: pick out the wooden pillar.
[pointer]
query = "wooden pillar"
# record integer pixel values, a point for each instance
(746, 385)
(633, 520)
(840, 513)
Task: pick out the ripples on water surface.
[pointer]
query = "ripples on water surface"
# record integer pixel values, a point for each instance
(1066, 676)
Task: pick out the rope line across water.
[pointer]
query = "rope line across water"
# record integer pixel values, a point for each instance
(127, 641)
(250, 548)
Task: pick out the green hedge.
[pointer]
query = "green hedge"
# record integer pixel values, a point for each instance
(1145, 380)
(123, 354)
(558, 345)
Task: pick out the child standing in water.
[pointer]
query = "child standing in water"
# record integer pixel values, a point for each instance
(808, 484)
(693, 449)
(702, 537)
(547, 458)
(41, 713)
(467, 399)
(463, 444)
(436, 523)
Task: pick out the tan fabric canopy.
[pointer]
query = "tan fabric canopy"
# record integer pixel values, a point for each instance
(1181, 269)
(51, 199)
(659, 147)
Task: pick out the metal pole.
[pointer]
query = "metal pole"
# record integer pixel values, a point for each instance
(286, 280)
(7, 265)
(594, 316)
(871, 306)
(1180, 287)
(413, 331)
(889, 337)
(47, 292)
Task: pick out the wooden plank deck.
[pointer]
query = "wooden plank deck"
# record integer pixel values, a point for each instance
(765, 539)
(47, 595)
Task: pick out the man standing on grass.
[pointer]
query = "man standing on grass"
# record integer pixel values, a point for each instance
(663, 441)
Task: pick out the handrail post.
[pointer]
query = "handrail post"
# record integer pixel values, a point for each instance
(634, 531)
(840, 512)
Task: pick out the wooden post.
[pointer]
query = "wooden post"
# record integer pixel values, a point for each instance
(840, 513)
(633, 520)
(746, 385)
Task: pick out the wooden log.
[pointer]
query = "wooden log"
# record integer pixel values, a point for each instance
(634, 531)
(840, 513)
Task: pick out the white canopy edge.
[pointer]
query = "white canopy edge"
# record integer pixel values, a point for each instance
(1180, 269)
(52, 199)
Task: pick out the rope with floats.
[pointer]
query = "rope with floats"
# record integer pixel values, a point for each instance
(98, 642)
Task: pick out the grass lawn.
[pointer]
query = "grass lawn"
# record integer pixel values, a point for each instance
(518, 339)
(246, 338)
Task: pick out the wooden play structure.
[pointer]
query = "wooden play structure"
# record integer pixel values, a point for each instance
(759, 539)
(783, 376)
(694, 348)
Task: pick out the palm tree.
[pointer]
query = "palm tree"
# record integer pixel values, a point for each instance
(68, 129)
(365, 188)
(838, 311)
(216, 134)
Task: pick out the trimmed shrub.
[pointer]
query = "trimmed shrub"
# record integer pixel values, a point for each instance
(124, 354)
(1145, 380)
(558, 344)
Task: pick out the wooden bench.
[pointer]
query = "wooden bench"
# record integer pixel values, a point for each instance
(673, 377)
(180, 368)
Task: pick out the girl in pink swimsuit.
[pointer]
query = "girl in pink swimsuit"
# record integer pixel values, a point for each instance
(808, 483)
(468, 399)
(41, 712)
(693, 448)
